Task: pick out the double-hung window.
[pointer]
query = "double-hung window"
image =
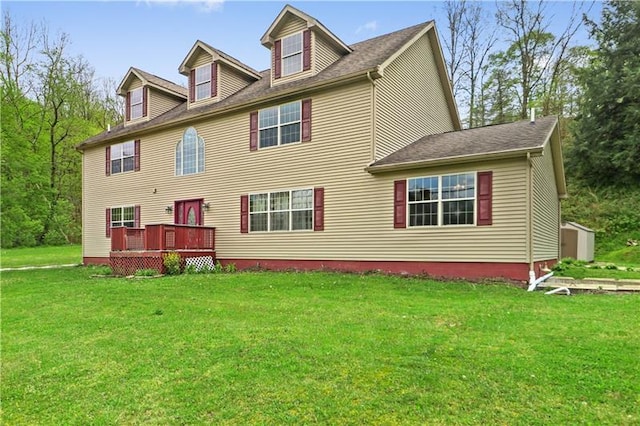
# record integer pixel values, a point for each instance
(280, 125)
(281, 211)
(136, 103)
(190, 153)
(203, 82)
(122, 157)
(123, 216)
(442, 200)
(292, 54)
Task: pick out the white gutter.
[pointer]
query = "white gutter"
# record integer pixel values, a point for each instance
(495, 155)
(373, 116)
(532, 272)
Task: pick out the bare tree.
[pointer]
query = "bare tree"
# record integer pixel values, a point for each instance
(454, 42)
(538, 52)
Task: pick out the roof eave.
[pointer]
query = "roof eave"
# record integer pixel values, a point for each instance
(458, 159)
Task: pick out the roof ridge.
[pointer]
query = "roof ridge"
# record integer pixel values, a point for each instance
(392, 33)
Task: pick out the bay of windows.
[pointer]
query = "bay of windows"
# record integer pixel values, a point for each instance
(122, 157)
(292, 54)
(190, 153)
(280, 125)
(136, 103)
(281, 211)
(442, 200)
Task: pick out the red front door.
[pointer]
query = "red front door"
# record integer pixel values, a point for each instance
(188, 212)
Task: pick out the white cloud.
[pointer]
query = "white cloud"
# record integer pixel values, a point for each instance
(368, 27)
(202, 5)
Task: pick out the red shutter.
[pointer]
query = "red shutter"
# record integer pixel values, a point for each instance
(108, 231)
(306, 120)
(318, 209)
(253, 131)
(192, 86)
(107, 165)
(277, 63)
(136, 155)
(214, 80)
(485, 195)
(400, 204)
(127, 107)
(136, 217)
(244, 214)
(306, 50)
(144, 101)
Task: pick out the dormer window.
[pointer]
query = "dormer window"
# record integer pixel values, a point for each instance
(203, 82)
(292, 54)
(136, 103)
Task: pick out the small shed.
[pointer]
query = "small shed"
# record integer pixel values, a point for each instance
(577, 241)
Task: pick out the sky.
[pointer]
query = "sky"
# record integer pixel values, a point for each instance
(156, 35)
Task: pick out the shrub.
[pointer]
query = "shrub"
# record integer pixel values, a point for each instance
(146, 273)
(190, 269)
(230, 268)
(171, 262)
(102, 270)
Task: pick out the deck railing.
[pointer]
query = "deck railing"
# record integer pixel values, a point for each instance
(163, 237)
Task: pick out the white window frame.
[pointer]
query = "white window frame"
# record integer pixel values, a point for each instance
(197, 83)
(291, 54)
(290, 210)
(440, 201)
(123, 223)
(121, 157)
(279, 124)
(135, 103)
(199, 156)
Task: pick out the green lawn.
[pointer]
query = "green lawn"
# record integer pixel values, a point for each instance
(40, 256)
(288, 348)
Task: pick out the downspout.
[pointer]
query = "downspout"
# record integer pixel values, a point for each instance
(532, 272)
(373, 116)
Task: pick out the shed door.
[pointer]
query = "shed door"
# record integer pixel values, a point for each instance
(569, 243)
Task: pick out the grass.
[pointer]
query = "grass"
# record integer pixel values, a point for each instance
(579, 272)
(40, 256)
(296, 348)
(625, 256)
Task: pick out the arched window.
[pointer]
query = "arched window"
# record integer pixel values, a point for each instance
(190, 153)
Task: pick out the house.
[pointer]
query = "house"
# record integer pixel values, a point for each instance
(339, 156)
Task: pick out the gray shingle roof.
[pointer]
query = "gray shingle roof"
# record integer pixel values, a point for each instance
(366, 56)
(161, 82)
(520, 136)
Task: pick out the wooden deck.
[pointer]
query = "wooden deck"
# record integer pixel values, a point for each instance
(133, 249)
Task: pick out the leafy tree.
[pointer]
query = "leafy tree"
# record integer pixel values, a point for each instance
(606, 149)
(49, 104)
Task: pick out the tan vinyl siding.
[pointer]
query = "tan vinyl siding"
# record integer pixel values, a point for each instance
(202, 59)
(160, 102)
(292, 24)
(358, 206)
(410, 100)
(323, 54)
(230, 81)
(546, 225)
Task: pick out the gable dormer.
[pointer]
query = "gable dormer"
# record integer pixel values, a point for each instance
(148, 96)
(300, 46)
(213, 75)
